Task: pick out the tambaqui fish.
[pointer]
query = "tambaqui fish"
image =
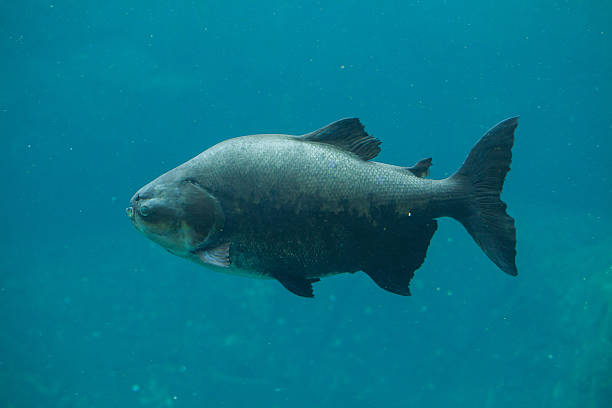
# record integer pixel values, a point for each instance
(299, 208)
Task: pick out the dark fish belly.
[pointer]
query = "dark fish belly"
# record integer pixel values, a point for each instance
(267, 239)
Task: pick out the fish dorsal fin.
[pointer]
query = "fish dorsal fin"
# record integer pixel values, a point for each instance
(347, 134)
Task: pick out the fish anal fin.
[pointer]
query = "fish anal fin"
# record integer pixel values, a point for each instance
(346, 134)
(395, 281)
(296, 284)
(394, 260)
(421, 168)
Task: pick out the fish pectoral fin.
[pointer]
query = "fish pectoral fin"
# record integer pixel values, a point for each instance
(347, 134)
(296, 284)
(218, 256)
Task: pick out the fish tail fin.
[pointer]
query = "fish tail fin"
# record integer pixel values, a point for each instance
(483, 173)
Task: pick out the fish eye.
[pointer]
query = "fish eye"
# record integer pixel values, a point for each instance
(144, 210)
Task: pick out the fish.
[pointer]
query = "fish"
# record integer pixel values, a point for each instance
(298, 208)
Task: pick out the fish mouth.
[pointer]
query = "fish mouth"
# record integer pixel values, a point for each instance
(131, 214)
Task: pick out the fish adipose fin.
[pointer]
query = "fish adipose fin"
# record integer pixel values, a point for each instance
(346, 134)
(483, 174)
(296, 284)
(421, 168)
(394, 260)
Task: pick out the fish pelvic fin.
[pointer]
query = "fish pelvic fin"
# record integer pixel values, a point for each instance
(483, 174)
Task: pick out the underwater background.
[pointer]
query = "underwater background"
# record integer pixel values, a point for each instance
(97, 98)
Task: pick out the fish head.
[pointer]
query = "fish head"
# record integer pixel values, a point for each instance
(176, 213)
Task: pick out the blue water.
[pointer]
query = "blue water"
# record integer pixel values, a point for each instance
(98, 98)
